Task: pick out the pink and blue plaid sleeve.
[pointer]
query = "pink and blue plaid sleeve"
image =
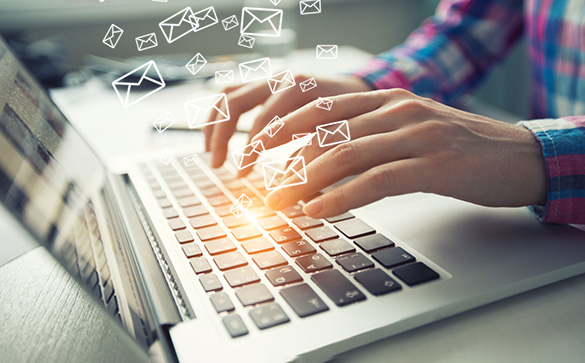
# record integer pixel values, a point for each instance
(563, 145)
(450, 52)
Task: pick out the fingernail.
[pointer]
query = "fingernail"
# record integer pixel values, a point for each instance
(272, 199)
(314, 207)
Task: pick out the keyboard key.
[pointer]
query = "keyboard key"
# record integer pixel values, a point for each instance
(185, 195)
(253, 294)
(188, 201)
(184, 236)
(210, 282)
(212, 192)
(377, 282)
(219, 200)
(338, 287)
(284, 235)
(257, 245)
(272, 223)
(232, 221)
(218, 246)
(303, 300)
(191, 250)
(354, 262)
(164, 203)
(203, 182)
(246, 232)
(313, 263)
(270, 259)
(260, 212)
(336, 247)
(415, 274)
(209, 233)
(353, 228)
(234, 325)
(176, 224)
(241, 276)
(321, 234)
(200, 265)
(203, 221)
(230, 260)
(221, 302)
(298, 248)
(223, 210)
(283, 276)
(177, 184)
(305, 222)
(373, 242)
(195, 211)
(267, 316)
(293, 211)
(391, 257)
(170, 213)
(339, 218)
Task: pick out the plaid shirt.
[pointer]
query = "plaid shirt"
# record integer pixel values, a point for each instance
(450, 53)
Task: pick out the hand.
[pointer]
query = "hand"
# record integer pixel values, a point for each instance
(402, 143)
(245, 97)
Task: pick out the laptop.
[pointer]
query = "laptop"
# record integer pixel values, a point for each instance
(162, 249)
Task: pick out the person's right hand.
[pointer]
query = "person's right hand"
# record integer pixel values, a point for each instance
(245, 97)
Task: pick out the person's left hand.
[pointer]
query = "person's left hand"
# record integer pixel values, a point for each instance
(402, 143)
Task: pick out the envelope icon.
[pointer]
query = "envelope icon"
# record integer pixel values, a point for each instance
(164, 122)
(196, 63)
(190, 160)
(255, 70)
(333, 133)
(113, 36)
(246, 41)
(325, 103)
(310, 7)
(299, 136)
(244, 157)
(198, 109)
(204, 19)
(275, 2)
(274, 126)
(241, 205)
(327, 51)
(128, 91)
(261, 22)
(178, 25)
(224, 76)
(146, 41)
(281, 81)
(166, 156)
(308, 85)
(275, 171)
(230, 22)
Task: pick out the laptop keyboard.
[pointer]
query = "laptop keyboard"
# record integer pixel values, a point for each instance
(263, 258)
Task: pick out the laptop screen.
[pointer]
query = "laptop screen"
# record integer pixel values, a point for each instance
(47, 171)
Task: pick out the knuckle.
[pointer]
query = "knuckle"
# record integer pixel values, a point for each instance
(338, 199)
(344, 153)
(379, 178)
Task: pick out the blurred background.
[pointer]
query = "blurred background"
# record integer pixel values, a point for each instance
(55, 37)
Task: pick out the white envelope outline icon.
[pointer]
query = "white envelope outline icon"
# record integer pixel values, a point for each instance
(204, 19)
(333, 133)
(310, 7)
(164, 122)
(177, 25)
(146, 41)
(246, 41)
(113, 36)
(281, 81)
(241, 205)
(243, 156)
(200, 108)
(190, 160)
(324, 103)
(261, 22)
(124, 88)
(166, 156)
(300, 136)
(273, 174)
(230, 22)
(326, 51)
(275, 2)
(224, 76)
(196, 63)
(255, 70)
(274, 126)
(308, 85)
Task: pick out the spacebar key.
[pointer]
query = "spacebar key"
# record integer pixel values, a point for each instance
(338, 287)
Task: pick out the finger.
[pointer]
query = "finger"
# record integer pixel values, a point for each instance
(208, 128)
(395, 178)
